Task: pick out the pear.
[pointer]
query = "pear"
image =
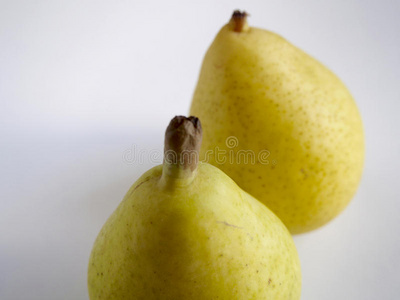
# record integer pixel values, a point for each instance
(280, 124)
(185, 230)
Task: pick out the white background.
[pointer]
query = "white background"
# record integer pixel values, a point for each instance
(83, 81)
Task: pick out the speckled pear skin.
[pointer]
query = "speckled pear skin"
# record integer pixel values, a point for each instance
(270, 95)
(208, 240)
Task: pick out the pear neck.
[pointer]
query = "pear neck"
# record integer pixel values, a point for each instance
(181, 151)
(238, 22)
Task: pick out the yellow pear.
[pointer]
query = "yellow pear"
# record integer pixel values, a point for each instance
(185, 230)
(280, 124)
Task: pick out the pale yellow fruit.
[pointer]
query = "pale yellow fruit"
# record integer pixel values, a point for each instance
(274, 98)
(192, 234)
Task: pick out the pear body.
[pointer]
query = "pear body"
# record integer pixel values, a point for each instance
(205, 240)
(260, 97)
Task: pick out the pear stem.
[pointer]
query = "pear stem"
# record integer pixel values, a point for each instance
(239, 20)
(181, 149)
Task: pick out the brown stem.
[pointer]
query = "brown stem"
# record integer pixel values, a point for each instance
(239, 20)
(181, 147)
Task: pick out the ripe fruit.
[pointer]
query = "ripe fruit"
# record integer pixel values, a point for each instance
(275, 99)
(185, 230)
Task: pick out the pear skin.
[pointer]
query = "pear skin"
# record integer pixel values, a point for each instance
(259, 94)
(187, 231)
